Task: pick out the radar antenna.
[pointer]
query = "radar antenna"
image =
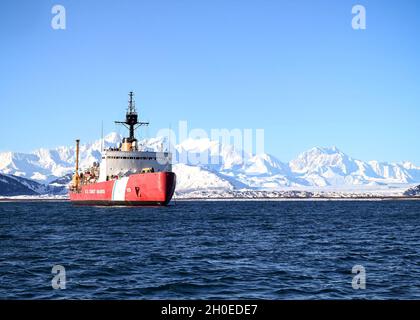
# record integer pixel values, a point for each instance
(131, 118)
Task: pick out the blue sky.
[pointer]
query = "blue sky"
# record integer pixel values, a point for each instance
(294, 68)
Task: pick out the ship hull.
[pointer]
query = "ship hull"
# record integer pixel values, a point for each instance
(135, 190)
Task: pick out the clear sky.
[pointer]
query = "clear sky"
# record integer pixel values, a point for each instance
(295, 68)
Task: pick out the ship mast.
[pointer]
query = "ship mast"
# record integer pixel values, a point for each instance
(131, 118)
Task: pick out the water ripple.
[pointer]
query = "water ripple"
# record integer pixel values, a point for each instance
(211, 250)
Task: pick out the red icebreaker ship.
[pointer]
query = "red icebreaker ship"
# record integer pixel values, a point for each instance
(126, 175)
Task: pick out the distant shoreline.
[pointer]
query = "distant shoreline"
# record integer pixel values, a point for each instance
(302, 199)
(385, 198)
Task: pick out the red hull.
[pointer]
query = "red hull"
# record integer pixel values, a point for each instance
(137, 189)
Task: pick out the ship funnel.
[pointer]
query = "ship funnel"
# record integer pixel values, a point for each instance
(77, 155)
(76, 177)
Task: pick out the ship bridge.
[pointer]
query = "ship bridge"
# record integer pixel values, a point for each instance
(117, 163)
(127, 159)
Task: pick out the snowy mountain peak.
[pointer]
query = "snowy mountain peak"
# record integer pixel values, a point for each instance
(265, 164)
(113, 138)
(198, 145)
(204, 164)
(409, 165)
(324, 150)
(321, 159)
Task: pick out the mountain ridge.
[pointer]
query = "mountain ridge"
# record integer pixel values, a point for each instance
(203, 164)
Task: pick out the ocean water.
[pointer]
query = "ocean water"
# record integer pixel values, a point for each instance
(211, 250)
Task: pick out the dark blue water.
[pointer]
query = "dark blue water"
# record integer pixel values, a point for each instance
(203, 250)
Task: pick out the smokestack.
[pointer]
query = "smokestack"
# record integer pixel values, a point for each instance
(76, 177)
(77, 156)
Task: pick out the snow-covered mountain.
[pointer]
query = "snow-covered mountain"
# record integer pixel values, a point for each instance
(211, 166)
(331, 167)
(413, 192)
(14, 186)
(45, 165)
